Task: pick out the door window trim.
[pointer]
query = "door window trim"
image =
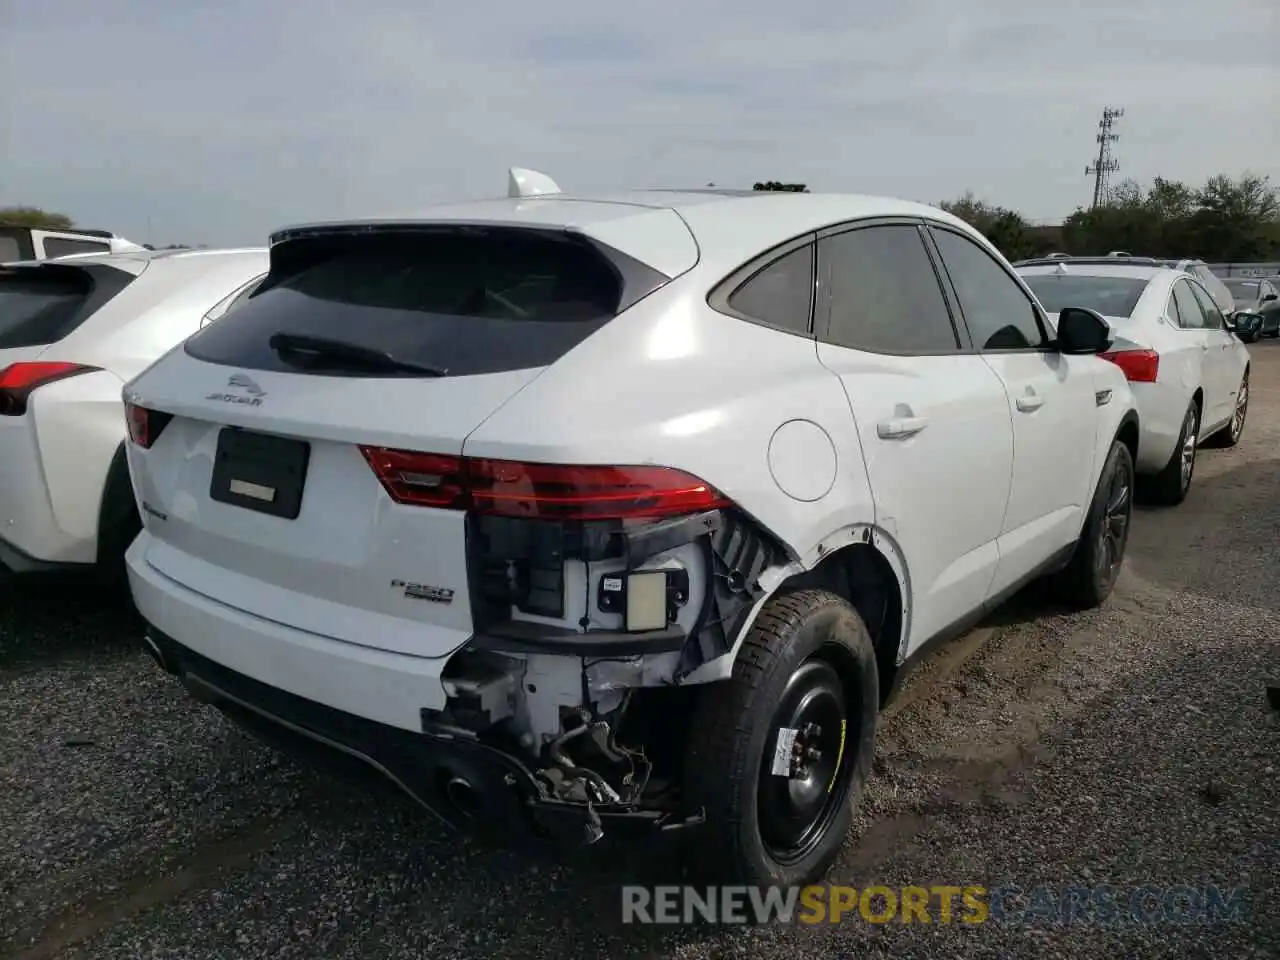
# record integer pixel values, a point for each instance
(718, 297)
(822, 307)
(1048, 336)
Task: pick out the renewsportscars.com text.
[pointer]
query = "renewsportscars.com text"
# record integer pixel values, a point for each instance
(941, 904)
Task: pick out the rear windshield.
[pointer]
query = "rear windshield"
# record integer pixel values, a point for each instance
(1243, 289)
(42, 303)
(40, 306)
(459, 301)
(1109, 296)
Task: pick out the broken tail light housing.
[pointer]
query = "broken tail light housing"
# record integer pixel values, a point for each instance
(537, 490)
(145, 424)
(1139, 366)
(18, 381)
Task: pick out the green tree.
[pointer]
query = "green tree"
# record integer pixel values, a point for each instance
(1236, 218)
(1004, 228)
(1224, 220)
(33, 217)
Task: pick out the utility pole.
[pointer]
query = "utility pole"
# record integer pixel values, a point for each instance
(1106, 164)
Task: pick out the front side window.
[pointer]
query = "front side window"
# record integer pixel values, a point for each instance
(883, 293)
(1212, 315)
(999, 313)
(1189, 308)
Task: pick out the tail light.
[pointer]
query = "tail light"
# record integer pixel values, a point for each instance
(20, 380)
(1139, 366)
(145, 424)
(538, 490)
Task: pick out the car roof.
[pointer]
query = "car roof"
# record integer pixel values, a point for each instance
(726, 225)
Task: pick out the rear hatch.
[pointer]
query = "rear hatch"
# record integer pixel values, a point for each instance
(257, 470)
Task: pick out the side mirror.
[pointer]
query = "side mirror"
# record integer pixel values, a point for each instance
(1082, 331)
(1268, 298)
(1244, 324)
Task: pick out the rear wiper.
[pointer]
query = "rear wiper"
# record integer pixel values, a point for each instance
(324, 348)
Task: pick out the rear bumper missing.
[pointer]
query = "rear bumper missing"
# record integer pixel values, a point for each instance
(468, 785)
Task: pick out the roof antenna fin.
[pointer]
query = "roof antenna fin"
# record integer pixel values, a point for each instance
(529, 183)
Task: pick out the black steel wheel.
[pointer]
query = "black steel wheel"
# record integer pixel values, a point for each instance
(777, 754)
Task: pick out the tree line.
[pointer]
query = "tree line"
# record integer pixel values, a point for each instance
(1225, 220)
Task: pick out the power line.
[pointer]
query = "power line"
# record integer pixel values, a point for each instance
(1106, 164)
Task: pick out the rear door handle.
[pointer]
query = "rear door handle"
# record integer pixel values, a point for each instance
(1029, 403)
(899, 428)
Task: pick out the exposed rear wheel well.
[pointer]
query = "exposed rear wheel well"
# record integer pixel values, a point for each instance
(861, 575)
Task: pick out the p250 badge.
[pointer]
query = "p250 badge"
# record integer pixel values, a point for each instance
(423, 591)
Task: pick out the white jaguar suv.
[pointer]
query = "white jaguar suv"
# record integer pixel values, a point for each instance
(575, 515)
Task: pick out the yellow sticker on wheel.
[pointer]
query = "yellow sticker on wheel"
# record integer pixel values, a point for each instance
(839, 756)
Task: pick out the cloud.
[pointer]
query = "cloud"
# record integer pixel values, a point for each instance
(217, 122)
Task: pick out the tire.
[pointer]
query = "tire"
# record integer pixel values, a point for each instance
(809, 640)
(1169, 487)
(1230, 435)
(1091, 573)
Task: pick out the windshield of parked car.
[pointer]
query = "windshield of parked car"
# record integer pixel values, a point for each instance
(1109, 296)
(1244, 291)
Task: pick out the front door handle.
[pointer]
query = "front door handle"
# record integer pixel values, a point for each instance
(1029, 403)
(898, 428)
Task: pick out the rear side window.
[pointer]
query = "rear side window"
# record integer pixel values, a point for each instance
(9, 250)
(883, 293)
(781, 294)
(460, 301)
(62, 247)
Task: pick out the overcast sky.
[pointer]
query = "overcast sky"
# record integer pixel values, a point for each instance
(214, 122)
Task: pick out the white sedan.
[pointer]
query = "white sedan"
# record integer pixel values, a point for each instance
(1188, 370)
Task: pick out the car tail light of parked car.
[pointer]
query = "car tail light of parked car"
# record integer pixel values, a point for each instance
(18, 381)
(1139, 366)
(506, 488)
(145, 425)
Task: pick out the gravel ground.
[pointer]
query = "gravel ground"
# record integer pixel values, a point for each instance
(1127, 746)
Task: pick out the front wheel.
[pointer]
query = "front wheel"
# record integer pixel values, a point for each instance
(778, 754)
(1091, 574)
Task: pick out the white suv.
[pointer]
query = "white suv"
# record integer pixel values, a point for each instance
(626, 512)
(72, 332)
